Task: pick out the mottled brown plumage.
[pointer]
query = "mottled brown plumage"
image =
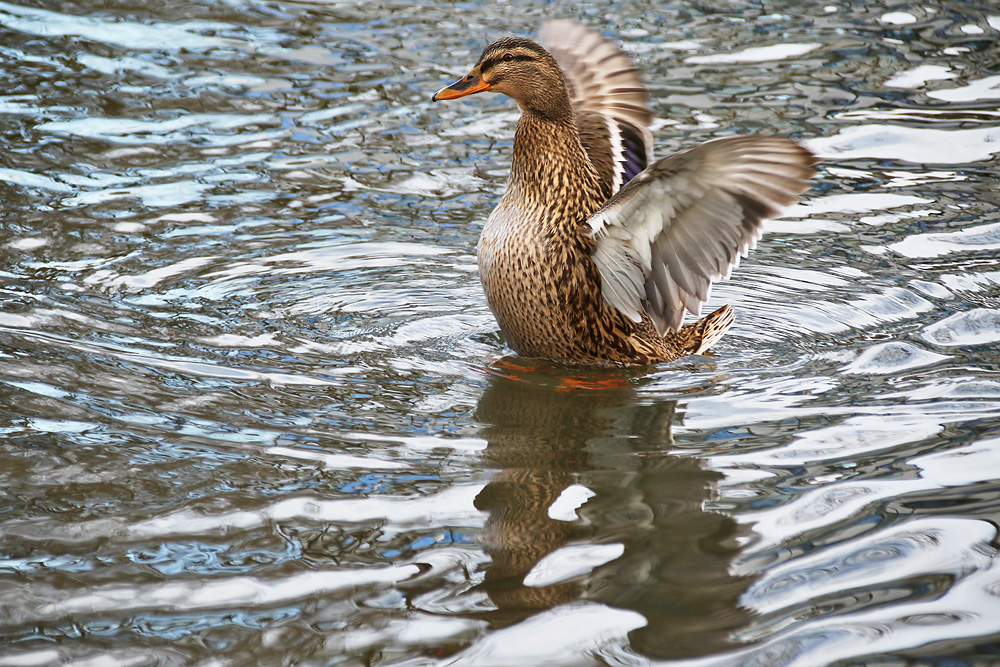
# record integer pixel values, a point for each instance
(591, 255)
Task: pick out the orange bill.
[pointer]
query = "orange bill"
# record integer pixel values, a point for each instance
(467, 85)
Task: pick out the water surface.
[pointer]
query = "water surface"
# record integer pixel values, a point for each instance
(256, 411)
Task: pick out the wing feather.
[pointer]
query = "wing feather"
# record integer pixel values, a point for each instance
(685, 221)
(610, 104)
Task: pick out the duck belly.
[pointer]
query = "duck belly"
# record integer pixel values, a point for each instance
(518, 269)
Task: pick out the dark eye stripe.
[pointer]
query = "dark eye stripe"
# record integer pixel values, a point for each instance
(493, 60)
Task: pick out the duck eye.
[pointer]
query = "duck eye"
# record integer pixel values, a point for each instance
(508, 57)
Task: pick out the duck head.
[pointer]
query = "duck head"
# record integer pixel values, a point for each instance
(518, 68)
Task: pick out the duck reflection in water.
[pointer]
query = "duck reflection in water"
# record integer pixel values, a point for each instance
(549, 430)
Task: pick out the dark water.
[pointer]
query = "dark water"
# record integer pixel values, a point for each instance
(255, 410)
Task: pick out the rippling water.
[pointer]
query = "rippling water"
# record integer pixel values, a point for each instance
(256, 411)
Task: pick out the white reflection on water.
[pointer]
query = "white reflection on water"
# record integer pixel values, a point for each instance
(453, 506)
(936, 244)
(898, 18)
(910, 144)
(853, 437)
(967, 607)
(919, 75)
(846, 501)
(173, 363)
(200, 595)
(161, 194)
(569, 501)
(888, 305)
(909, 549)
(422, 633)
(337, 461)
(808, 216)
(892, 357)
(571, 561)
(757, 54)
(28, 179)
(343, 257)
(978, 326)
(576, 635)
(983, 89)
(201, 128)
(125, 64)
(125, 34)
(855, 202)
(111, 278)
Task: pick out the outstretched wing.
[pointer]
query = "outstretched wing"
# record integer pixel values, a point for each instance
(686, 220)
(610, 103)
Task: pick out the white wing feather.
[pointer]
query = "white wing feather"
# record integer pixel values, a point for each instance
(686, 220)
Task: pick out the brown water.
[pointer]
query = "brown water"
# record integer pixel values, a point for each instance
(256, 411)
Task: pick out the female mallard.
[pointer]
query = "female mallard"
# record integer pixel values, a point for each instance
(591, 255)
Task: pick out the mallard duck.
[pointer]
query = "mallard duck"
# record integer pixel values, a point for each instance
(595, 251)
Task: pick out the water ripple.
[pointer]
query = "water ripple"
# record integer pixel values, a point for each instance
(910, 144)
(254, 404)
(125, 34)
